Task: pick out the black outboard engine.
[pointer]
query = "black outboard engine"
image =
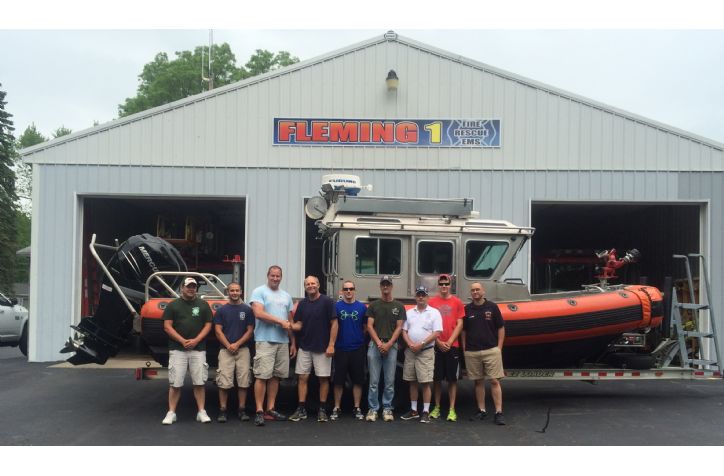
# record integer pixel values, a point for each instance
(102, 335)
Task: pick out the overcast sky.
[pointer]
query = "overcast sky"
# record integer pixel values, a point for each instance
(75, 77)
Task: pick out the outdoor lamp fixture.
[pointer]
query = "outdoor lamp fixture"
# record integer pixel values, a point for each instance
(392, 80)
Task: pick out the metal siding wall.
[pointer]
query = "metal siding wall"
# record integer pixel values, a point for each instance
(541, 129)
(275, 220)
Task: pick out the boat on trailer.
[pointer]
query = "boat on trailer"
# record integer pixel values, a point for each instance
(413, 241)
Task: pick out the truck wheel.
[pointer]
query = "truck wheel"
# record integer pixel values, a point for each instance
(625, 360)
(23, 344)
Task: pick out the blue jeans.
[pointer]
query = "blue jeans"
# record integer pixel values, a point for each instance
(387, 364)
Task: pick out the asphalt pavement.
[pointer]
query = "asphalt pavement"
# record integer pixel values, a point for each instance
(45, 405)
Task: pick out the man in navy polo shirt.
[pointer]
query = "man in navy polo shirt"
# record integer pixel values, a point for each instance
(316, 321)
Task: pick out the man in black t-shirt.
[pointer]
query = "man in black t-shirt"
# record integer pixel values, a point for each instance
(483, 336)
(316, 321)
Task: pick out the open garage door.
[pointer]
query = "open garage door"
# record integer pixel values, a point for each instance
(207, 232)
(567, 235)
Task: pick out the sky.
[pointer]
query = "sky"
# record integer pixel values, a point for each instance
(58, 72)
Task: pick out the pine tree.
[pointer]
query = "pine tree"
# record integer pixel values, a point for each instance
(8, 198)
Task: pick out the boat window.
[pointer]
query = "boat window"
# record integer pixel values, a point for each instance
(378, 256)
(482, 257)
(435, 257)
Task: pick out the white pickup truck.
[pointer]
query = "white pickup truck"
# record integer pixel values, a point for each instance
(13, 324)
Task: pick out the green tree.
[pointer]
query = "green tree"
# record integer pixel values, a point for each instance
(163, 81)
(8, 224)
(61, 131)
(24, 172)
(264, 61)
(22, 263)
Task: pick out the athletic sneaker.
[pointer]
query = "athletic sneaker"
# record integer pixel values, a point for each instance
(222, 416)
(425, 418)
(169, 418)
(371, 415)
(410, 415)
(358, 414)
(299, 414)
(435, 413)
(451, 415)
(259, 419)
(322, 415)
(273, 415)
(499, 420)
(336, 412)
(387, 414)
(242, 415)
(202, 416)
(480, 415)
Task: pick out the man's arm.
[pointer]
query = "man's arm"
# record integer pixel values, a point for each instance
(201, 336)
(501, 337)
(292, 337)
(260, 313)
(333, 329)
(395, 335)
(218, 330)
(168, 329)
(456, 332)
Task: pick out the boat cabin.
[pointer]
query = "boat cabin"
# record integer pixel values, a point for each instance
(414, 241)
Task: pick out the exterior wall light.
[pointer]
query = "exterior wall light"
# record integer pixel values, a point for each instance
(392, 80)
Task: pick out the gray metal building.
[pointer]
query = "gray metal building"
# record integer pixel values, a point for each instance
(578, 170)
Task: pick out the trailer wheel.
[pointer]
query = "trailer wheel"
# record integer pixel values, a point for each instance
(627, 360)
(23, 344)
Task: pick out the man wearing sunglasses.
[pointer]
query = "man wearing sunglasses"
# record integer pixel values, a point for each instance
(447, 348)
(350, 355)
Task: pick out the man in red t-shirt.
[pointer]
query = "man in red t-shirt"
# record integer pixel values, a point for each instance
(447, 349)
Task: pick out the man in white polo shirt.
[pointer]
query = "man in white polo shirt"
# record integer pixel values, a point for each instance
(422, 326)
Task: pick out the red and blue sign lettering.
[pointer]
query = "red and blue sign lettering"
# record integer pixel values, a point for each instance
(388, 132)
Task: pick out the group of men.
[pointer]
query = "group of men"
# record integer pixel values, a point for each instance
(325, 335)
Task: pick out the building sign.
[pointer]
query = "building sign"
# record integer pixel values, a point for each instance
(388, 132)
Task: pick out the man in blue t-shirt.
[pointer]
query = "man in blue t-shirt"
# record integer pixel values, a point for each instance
(234, 327)
(273, 335)
(350, 351)
(316, 322)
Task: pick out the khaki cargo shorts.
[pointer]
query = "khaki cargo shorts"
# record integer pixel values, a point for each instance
(319, 360)
(419, 367)
(271, 360)
(231, 365)
(179, 361)
(484, 363)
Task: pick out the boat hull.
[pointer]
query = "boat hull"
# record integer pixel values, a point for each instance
(567, 329)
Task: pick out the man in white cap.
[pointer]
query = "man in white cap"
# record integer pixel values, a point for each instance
(420, 330)
(187, 321)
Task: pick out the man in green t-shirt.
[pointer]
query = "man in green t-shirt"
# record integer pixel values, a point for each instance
(187, 321)
(384, 324)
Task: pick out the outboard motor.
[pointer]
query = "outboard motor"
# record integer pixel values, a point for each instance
(122, 295)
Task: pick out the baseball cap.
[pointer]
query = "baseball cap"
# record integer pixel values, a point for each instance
(386, 279)
(445, 277)
(189, 280)
(421, 290)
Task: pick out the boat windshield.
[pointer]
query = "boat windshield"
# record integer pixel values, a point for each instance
(482, 257)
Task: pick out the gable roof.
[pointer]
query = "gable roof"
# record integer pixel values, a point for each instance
(390, 36)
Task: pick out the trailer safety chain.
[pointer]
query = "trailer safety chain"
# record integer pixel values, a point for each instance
(548, 420)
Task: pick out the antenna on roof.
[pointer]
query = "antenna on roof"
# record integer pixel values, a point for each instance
(210, 78)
